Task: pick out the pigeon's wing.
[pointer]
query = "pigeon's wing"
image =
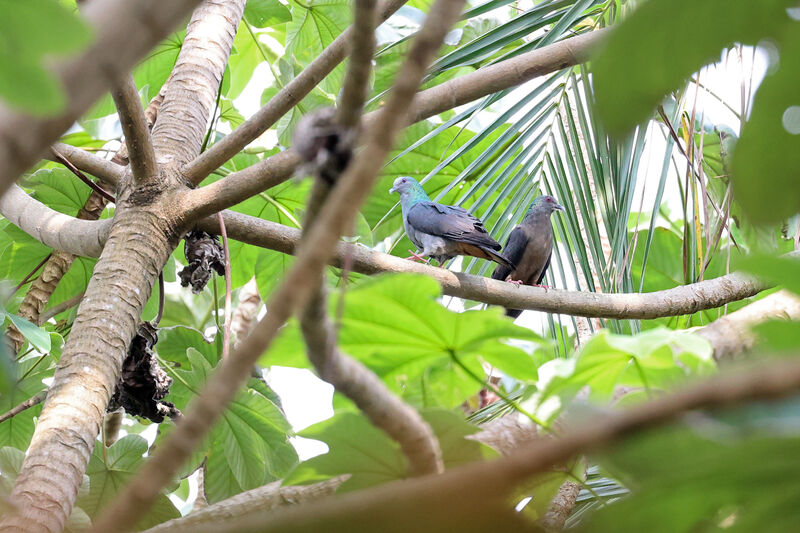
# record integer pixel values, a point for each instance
(513, 251)
(452, 223)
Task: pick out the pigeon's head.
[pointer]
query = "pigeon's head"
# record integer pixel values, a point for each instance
(406, 185)
(546, 204)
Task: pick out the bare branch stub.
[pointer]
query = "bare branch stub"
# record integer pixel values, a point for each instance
(134, 126)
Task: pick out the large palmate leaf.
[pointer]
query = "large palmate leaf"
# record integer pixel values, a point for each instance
(110, 469)
(394, 326)
(248, 447)
(314, 25)
(653, 361)
(370, 457)
(25, 382)
(10, 465)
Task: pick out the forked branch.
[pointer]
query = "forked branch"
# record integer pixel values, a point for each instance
(134, 127)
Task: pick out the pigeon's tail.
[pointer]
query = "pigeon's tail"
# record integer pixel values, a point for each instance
(513, 313)
(499, 258)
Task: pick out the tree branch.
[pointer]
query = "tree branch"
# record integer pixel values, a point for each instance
(54, 229)
(81, 176)
(685, 299)
(125, 31)
(190, 96)
(103, 169)
(361, 40)
(134, 126)
(270, 496)
(730, 335)
(474, 497)
(27, 404)
(278, 105)
(294, 292)
(238, 186)
(351, 378)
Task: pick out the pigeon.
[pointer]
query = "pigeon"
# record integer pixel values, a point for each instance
(443, 231)
(529, 246)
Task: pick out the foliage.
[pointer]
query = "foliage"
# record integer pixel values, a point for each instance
(587, 137)
(34, 32)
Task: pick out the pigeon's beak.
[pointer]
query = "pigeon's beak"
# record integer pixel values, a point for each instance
(558, 207)
(392, 190)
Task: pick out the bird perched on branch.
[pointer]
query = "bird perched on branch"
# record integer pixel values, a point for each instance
(529, 247)
(443, 231)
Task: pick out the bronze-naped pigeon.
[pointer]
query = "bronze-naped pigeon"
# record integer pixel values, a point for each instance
(529, 247)
(443, 231)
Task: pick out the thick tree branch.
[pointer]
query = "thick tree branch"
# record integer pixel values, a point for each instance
(103, 169)
(270, 496)
(125, 31)
(474, 497)
(731, 335)
(681, 300)
(54, 229)
(238, 186)
(278, 105)
(294, 292)
(134, 126)
(183, 116)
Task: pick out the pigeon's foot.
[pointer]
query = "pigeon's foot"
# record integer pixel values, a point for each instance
(416, 257)
(545, 287)
(514, 281)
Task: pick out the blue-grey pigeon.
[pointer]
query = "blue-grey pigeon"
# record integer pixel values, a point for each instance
(529, 247)
(443, 231)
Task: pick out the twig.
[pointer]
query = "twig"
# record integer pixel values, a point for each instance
(27, 404)
(685, 299)
(226, 346)
(60, 308)
(294, 292)
(31, 274)
(279, 105)
(107, 170)
(134, 126)
(83, 177)
(435, 503)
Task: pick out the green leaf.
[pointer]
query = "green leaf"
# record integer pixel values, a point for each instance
(371, 458)
(32, 31)
(651, 69)
(60, 189)
(783, 271)
(110, 471)
(656, 360)
(312, 29)
(26, 382)
(249, 446)
(38, 337)
(265, 13)
(719, 474)
(767, 155)
(393, 324)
